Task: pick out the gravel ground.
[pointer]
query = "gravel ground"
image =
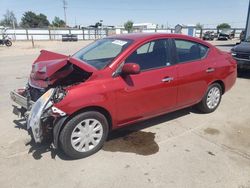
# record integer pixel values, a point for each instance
(180, 149)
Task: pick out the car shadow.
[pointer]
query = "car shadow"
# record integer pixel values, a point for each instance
(37, 150)
(134, 139)
(20, 124)
(130, 139)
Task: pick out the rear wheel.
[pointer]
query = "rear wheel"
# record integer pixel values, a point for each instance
(84, 134)
(212, 99)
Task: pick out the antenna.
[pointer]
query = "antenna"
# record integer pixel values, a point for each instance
(65, 14)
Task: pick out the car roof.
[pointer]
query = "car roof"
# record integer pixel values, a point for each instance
(138, 37)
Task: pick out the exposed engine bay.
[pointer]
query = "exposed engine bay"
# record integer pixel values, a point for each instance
(64, 77)
(51, 70)
(50, 77)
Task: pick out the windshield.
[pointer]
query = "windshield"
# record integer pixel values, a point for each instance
(102, 52)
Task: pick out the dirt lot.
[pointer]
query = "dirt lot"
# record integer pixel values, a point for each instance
(181, 149)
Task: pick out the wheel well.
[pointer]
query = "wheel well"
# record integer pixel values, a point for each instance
(57, 129)
(221, 84)
(98, 109)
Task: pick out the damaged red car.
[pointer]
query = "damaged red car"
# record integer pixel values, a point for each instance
(77, 100)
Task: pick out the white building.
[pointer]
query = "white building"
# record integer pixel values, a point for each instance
(185, 29)
(141, 26)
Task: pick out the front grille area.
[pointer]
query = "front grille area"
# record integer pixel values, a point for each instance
(243, 56)
(36, 93)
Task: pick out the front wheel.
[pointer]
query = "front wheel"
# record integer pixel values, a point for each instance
(211, 100)
(84, 134)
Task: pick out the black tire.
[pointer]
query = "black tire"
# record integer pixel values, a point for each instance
(203, 105)
(8, 43)
(65, 135)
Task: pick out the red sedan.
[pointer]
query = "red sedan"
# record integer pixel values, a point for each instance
(117, 81)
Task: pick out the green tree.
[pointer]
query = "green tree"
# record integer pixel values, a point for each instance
(98, 24)
(128, 25)
(29, 19)
(42, 20)
(32, 20)
(223, 26)
(8, 19)
(57, 22)
(199, 26)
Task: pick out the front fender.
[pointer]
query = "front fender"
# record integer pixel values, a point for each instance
(84, 96)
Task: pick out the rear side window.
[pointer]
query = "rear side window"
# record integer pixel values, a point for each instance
(189, 51)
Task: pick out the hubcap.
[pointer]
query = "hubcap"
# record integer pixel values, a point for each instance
(213, 97)
(86, 135)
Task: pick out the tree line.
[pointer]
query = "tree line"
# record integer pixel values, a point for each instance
(30, 20)
(33, 20)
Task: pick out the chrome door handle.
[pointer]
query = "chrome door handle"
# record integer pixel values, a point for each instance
(167, 79)
(210, 70)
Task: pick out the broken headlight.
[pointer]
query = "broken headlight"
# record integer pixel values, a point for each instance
(59, 94)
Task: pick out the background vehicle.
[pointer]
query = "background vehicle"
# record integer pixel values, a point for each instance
(117, 81)
(225, 35)
(241, 54)
(5, 40)
(208, 35)
(69, 37)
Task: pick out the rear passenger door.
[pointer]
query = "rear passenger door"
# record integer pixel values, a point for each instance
(191, 71)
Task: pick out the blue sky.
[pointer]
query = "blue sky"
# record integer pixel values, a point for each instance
(116, 12)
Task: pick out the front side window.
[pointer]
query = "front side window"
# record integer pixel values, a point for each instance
(189, 51)
(154, 54)
(146, 48)
(102, 52)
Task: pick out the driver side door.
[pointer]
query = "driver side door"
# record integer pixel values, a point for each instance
(151, 92)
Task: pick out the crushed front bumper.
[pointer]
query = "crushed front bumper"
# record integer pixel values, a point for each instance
(32, 111)
(24, 103)
(36, 114)
(41, 116)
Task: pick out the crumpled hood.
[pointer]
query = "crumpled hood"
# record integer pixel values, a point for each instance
(243, 47)
(50, 66)
(42, 70)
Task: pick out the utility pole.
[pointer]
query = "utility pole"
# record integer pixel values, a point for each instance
(65, 14)
(14, 27)
(101, 21)
(247, 30)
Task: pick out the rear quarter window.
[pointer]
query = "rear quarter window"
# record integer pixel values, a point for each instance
(189, 50)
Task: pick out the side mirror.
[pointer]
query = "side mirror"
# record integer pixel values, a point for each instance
(131, 68)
